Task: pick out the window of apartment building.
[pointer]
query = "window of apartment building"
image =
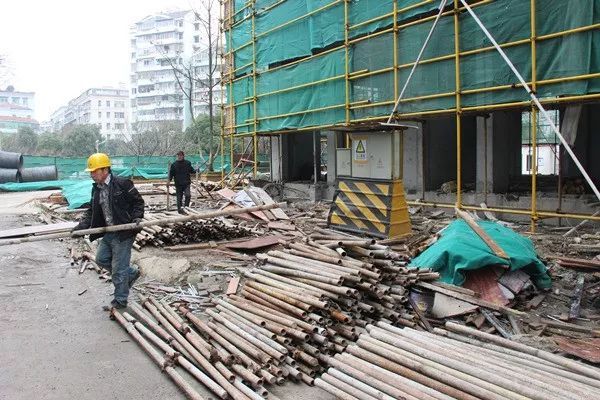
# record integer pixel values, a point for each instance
(3, 99)
(119, 126)
(119, 104)
(196, 39)
(133, 90)
(99, 114)
(15, 100)
(181, 36)
(108, 125)
(119, 115)
(108, 114)
(107, 103)
(197, 26)
(147, 62)
(99, 103)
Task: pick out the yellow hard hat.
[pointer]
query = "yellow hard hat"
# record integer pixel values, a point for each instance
(96, 161)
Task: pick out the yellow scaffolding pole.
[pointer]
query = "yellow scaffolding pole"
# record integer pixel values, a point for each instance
(346, 63)
(534, 124)
(255, 98)
(458, 106)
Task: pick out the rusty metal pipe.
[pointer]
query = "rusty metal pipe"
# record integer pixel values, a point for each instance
(332, 260)
(196, 355)
(191, 368)
(306, 378)
(257, 334)
(183, 385)
(301, 274)
(227, 374)
(247, 322)
(316, 292)
(248, 337)
(240, 342)
(252, 395)
(562, 361)
(298, 300)
(299, 267)
(352, 390)
(408, 373)
(467, 383)
(269, 315)
(332, 287)
(334, 268)
(259, 297)
(203, 327)
(247, 376)
(267, 376)
(514, 387)
(338, 393)
(279, 299)
(358, 384)
(281, 285)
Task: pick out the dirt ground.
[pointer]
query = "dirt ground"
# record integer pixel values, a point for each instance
(57, 344)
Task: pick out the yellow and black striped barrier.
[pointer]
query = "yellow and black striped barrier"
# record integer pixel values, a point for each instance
(367, 206)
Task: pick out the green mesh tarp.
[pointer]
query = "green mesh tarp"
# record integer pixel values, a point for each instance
(146, 167)
(76, 192)
(460, 250)
(308, 29)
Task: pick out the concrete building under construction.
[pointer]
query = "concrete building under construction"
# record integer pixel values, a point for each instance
(460, 128)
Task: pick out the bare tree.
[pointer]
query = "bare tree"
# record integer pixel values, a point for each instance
(157, 139)
(197, 82)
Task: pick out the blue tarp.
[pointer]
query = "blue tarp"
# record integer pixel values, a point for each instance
(77, 192)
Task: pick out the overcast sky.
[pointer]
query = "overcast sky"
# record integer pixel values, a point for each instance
(59, 48)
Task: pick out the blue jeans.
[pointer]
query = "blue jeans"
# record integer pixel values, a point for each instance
(114, 255)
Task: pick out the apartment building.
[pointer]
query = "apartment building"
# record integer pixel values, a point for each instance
(106, 107)
(167, 49)
(17, 109)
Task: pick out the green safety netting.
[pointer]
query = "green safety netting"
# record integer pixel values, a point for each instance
(147, 167)
(312, 93)
(76, 192)
(460, 249)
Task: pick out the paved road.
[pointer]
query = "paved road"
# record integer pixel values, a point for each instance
(55, 344)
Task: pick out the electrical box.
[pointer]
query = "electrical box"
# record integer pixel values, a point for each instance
(374, 155)
(343, 159)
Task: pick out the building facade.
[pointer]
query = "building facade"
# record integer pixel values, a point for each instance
(106, 107)
(168, 62)
(17, 109)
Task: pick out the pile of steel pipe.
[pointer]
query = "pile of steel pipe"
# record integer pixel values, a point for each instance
(389, 362)
(186, 232)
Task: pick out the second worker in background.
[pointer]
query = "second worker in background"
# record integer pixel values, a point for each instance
(181, 171)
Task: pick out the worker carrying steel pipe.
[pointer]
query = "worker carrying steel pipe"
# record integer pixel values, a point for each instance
(180, 171)
(114, 201)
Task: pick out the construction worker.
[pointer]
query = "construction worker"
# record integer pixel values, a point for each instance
(180, 171)
(114, 201)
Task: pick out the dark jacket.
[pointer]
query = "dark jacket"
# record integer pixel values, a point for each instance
(180, 171)
(126, 203)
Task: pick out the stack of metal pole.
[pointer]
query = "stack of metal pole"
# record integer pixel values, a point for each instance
(389, 362)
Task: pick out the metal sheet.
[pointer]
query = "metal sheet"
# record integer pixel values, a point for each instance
(588, 349)
(256, 243)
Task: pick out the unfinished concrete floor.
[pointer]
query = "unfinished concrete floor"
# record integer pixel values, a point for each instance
(56, 344)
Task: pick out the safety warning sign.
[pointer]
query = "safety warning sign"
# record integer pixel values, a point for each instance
(359, 147)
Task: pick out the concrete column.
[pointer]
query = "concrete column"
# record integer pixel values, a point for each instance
(412, 159)
(276, 159)
(331, 158)
(485, 155)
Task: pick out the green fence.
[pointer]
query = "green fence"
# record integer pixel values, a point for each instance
(305, 71)
(147, 167)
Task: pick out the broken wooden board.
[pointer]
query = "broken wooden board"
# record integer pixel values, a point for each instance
(38, 229)
(267, 200)
(587, 349)
(232, 286)
(229, 194)
(514, 280)
(256, 243)
(446, 306)
(482, 234)
(281, 225)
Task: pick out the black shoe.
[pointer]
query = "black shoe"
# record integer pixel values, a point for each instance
(181, 211)
(114, 304)
(134, 278)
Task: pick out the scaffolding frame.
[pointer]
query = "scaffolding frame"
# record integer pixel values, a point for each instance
(229, 129)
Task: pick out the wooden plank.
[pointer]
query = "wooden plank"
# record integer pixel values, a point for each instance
(470, 299)
(230, 194)
(232, 287)
(484, 281)
(259, 202)
(281, 225)
(255, 243)
(264, 196)
(38, 229)
(482, 234)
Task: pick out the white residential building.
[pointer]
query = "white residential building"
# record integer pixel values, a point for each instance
(161, 45)
(106, 107)
(17, 109)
